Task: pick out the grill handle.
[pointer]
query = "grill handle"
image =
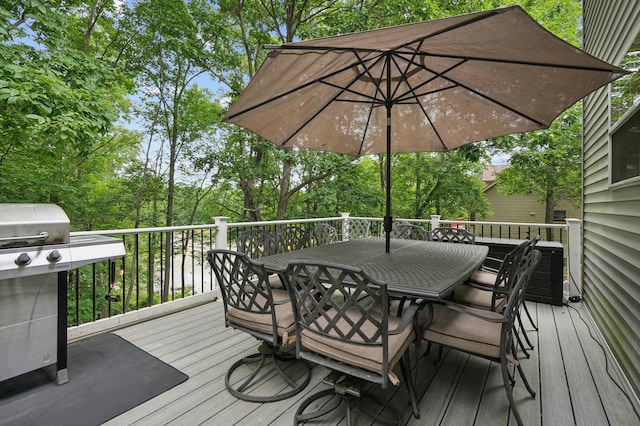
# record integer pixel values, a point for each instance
(25, 238)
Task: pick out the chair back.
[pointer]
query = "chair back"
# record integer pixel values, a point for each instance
(244, 286)
(521, 278)
(358, 228)
(452, 235)
(409, 232)
(323, 233)
(257, 243)
(508, 268)
(292, 238)
(339, 303)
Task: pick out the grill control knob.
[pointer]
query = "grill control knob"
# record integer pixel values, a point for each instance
(54, 256)
(23, 259)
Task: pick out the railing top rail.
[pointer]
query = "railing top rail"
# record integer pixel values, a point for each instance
(145, 230)
(534, 225)
(282, 222)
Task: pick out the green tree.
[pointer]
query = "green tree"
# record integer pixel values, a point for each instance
(546, 163)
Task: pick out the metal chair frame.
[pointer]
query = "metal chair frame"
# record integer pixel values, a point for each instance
(244, 286)
(407, 231)
(341, 303)
(292, 238)
(508, 353)
(323, 233)
(452, 235)
(257, 243)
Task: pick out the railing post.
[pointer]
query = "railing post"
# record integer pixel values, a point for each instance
(345, 226)
(574, 256)
(221, 232)
(435, 221)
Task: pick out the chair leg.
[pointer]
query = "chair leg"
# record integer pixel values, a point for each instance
(404, 368)
(524, 332)
(521, 343)
(267, 355)
(508, 387)
(526, 310)
(351, 401)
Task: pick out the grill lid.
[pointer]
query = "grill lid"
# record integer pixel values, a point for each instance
(24, 225)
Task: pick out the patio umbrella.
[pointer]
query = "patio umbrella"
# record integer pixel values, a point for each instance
(428, 86)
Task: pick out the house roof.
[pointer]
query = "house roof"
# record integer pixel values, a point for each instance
(491, 172)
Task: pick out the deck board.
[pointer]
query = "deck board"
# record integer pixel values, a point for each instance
(566, 369)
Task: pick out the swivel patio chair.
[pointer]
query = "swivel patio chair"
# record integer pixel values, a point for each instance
(343, 323)
(409, 232)
(452, 235)
(292, 238)
(323, 233)
(486, 334)
(257, 243)
(358, 228)
(252, 306)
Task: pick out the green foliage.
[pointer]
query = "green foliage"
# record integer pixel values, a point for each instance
(547, 162)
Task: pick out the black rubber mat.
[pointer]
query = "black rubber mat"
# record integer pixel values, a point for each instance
(107, 377)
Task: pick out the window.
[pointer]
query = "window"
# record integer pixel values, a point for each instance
(559, 215)
(624, 141)
(625, 149)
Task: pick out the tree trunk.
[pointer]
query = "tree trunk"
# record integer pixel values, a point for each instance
(285, 185)
(548, 213)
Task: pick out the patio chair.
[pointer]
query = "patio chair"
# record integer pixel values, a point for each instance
(358, 228)
(486, 334)
(409, 232)
(394, 223)
(452, 235)
(488, 278)
(343, 323)
(292, 238)
(252, 306)
(257, 243)
(323, 233)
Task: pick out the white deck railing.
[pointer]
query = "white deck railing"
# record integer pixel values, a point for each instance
(117, 292)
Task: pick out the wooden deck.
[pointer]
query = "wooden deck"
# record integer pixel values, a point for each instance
(574, 383)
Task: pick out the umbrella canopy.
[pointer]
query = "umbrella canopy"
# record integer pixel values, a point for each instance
(428, 86)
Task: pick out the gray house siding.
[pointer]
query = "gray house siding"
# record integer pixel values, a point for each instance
(611, 217)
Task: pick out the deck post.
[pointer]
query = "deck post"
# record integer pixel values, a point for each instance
(221, 232)
(345, 226)
(574, 256)
(435, 221)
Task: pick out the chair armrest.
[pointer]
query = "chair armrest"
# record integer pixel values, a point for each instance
(491, 264)
(465, 310)
(407, 317)
(479, 286)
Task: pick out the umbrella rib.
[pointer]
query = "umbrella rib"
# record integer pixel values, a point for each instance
(309, 83)
(459, 84)
(374, 100)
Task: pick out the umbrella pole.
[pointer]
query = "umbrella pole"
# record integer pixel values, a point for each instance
(387, 218)
(388, 105)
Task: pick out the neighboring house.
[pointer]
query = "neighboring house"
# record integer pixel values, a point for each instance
(519, 208)
(611, 180)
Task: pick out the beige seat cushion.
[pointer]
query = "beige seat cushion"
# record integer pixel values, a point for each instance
(483, 278)
(477, 298)
(362, 356)
(466, 332)
(262, 322)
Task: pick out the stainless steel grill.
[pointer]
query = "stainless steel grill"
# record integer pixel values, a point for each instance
(36, 251)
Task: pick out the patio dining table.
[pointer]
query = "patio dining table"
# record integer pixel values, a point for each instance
(415, 269)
